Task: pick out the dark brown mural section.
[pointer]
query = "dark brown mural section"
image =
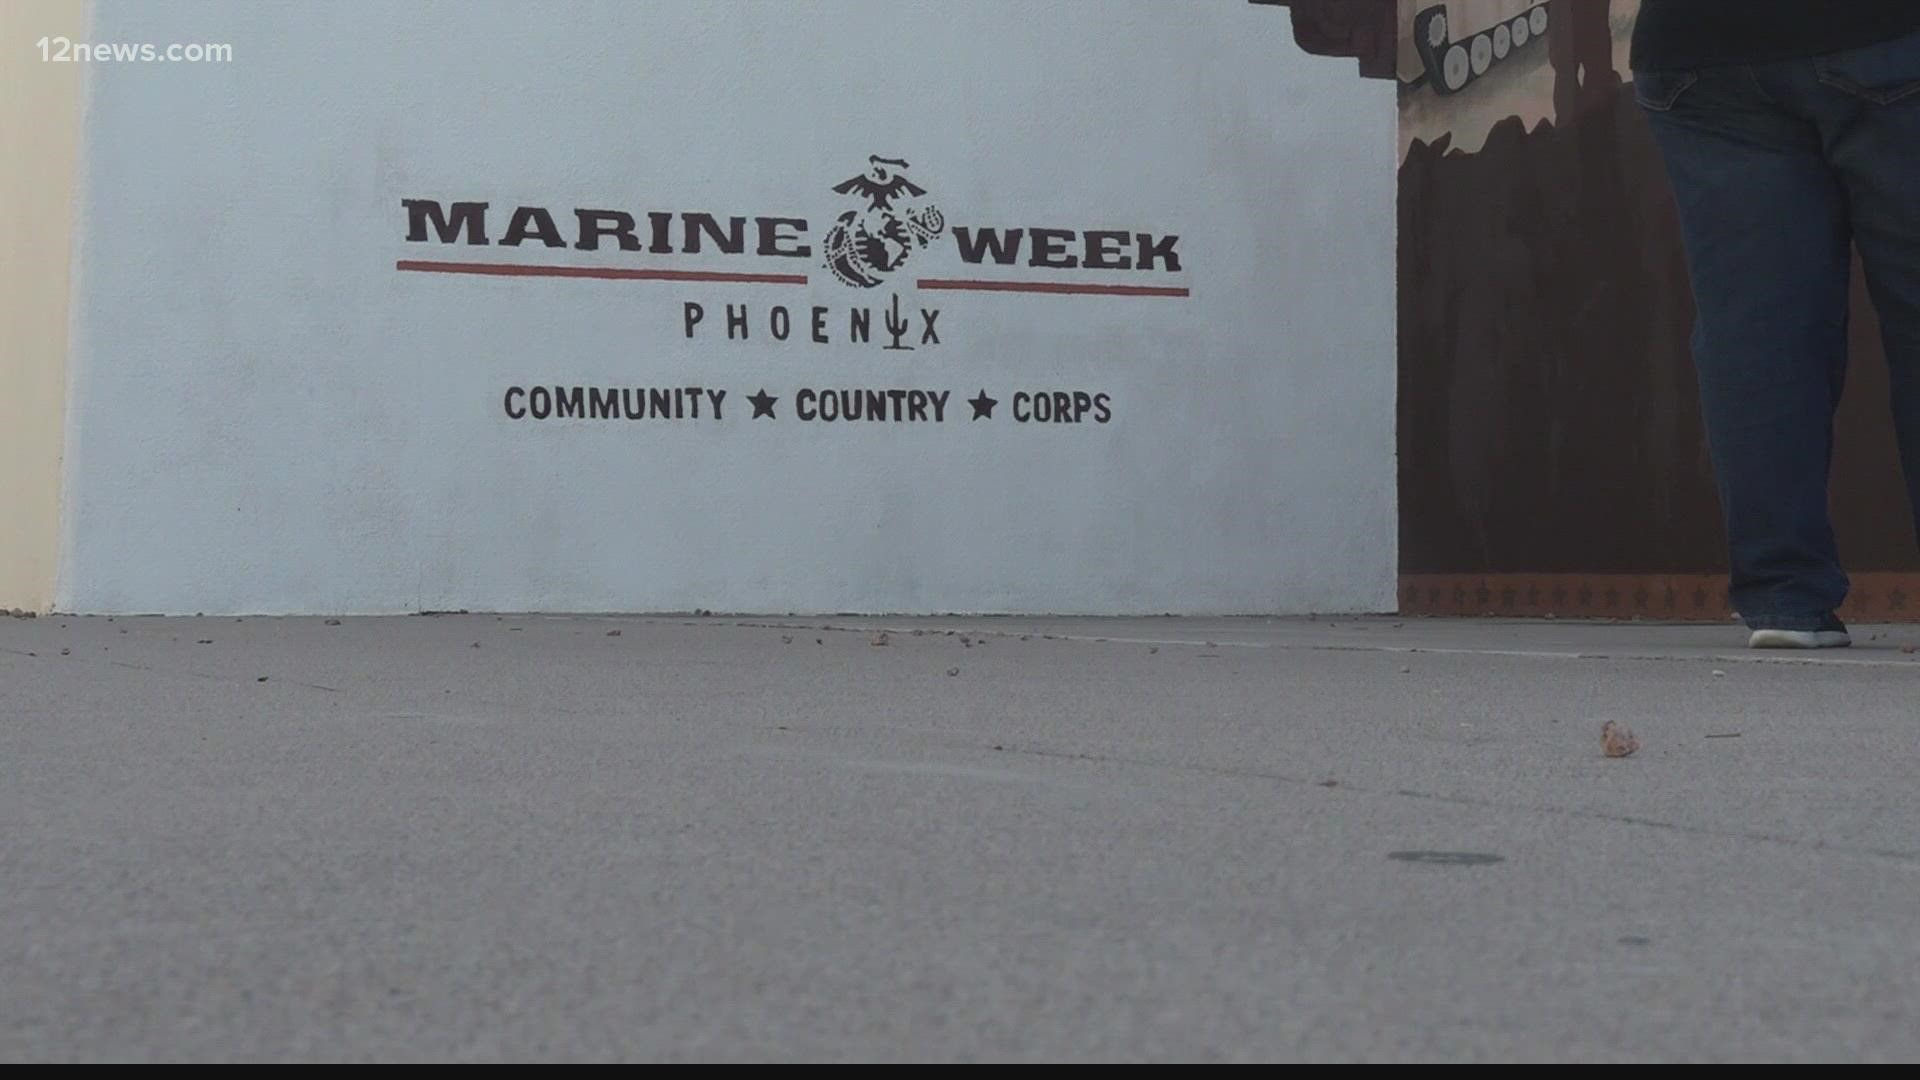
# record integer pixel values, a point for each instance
(1551, 452)
(1367, 31)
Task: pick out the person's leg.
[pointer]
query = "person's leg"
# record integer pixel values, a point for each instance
(1764, 219)
(1868, 102)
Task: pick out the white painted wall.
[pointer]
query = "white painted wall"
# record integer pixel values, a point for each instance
(268, 417)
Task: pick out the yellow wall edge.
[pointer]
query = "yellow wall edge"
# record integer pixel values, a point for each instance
(40, 127)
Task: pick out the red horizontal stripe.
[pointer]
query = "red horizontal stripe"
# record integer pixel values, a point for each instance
(1081, 288)
(612, 273)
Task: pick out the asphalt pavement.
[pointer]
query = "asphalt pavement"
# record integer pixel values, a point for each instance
(480, 837)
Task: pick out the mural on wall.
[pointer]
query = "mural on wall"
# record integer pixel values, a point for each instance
(983, 329)
(1456, 51)
(1464, 66)
(1467, 65)
(862, 249)
(1549, 421)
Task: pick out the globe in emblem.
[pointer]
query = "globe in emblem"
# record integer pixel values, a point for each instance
(866, 244)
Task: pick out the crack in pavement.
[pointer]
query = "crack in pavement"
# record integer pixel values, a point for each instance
(1889, 854)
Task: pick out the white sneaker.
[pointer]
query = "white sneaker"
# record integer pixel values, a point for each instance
(1832, 635)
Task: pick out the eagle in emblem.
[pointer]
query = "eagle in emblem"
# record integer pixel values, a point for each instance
(881, 183)
(867, 243)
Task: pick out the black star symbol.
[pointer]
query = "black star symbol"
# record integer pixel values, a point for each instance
(1897, 600)
(762, 403)
(982, 406)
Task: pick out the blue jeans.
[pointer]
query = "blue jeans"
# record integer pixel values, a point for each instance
(1781, 169)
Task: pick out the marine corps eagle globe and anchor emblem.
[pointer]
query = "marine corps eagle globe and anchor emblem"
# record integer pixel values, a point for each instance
(866, 244)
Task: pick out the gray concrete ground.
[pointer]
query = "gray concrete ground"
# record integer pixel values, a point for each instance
(474, 837)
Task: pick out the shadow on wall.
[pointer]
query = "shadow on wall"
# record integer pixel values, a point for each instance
(1549, 421)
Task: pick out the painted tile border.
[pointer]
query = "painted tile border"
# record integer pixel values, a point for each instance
(1876, 597)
